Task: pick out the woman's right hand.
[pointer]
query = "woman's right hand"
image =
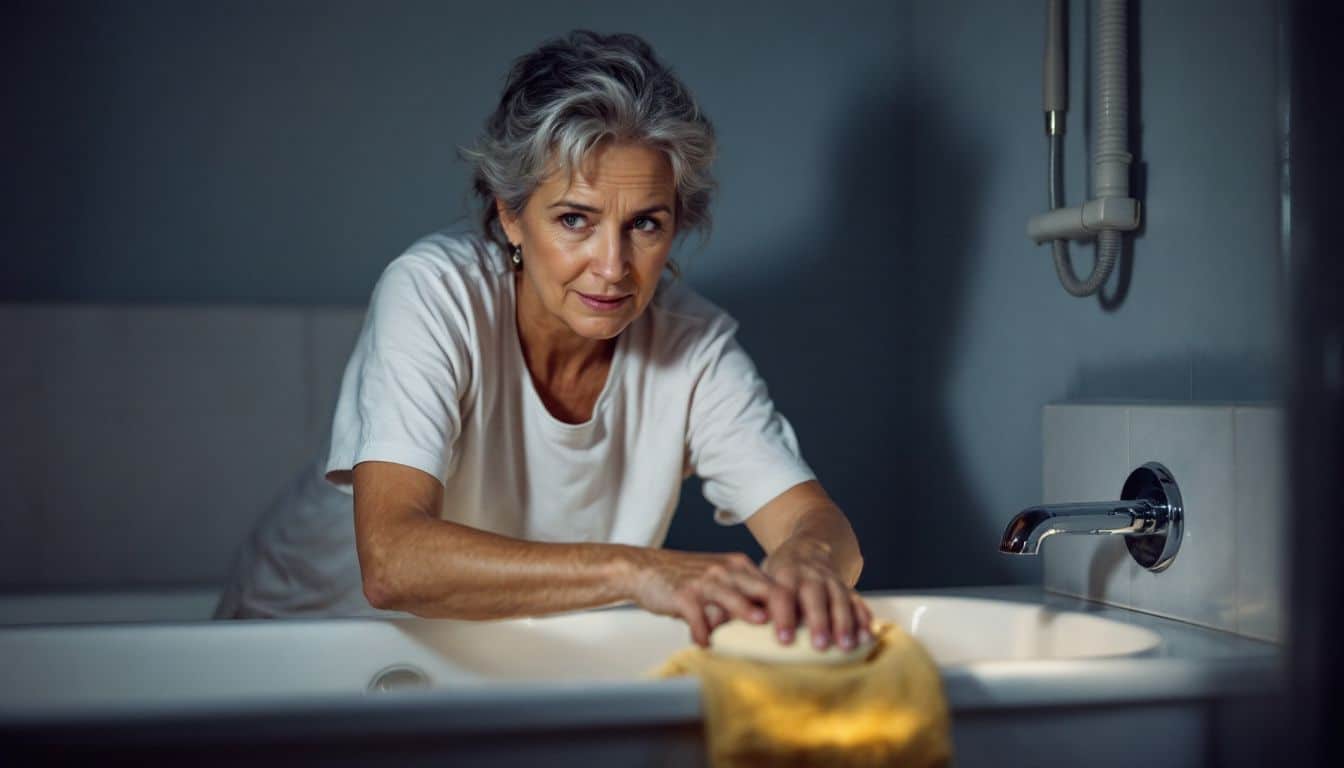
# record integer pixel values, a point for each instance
(704, 590)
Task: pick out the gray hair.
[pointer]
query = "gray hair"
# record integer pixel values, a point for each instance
(563, 98)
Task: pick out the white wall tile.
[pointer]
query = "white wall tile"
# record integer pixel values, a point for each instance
(1195, 444)
(163, 432)
(225, 433)
(331, 335)
(21, 450)
(1086, 458)
(1261, 514)
(83, 409)
(1228, 461)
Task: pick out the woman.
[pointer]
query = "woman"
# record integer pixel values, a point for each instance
(522, 404)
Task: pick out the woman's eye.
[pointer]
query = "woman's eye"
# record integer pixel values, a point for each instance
(565, 217)
(656, 226)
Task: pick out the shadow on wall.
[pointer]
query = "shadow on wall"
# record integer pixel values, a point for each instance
(855, 342)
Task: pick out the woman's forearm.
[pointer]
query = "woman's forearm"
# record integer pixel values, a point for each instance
(826, 530)
(439, 569)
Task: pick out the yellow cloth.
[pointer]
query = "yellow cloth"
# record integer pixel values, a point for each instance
(887, 710)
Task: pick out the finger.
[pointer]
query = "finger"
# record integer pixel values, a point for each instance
(751, 581)
(755, 587)
(863, 617)
(812, 595)
(725, 595)
(788, 576)
(716, 617)
(691, 611)
(782, 599)
(740, 562)
(842, 615)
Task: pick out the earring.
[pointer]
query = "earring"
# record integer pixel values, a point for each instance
(518, 256)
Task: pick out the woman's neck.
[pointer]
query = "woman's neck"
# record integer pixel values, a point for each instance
(552, 350)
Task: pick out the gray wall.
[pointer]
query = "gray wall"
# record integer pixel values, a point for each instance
(879, 161)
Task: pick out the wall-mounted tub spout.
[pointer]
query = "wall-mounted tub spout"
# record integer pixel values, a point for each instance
(1150, 515)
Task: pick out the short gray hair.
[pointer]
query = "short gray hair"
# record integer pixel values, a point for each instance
(575, 91)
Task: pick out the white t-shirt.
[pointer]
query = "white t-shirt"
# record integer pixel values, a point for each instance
(437, 381)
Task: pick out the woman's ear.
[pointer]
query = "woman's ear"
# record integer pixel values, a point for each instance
(508, 222)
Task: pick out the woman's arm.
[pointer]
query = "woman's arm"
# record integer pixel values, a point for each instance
(413, 561)
(812, 551)
(805, 513)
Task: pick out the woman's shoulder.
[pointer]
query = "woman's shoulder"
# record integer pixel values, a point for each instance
(450, 283)
(460, 269)
(680, 303)
(467, 254)
(683, 322)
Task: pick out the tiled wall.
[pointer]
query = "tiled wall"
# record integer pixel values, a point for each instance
(1227, 461)
(143, 442)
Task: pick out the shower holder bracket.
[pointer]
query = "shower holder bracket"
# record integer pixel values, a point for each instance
(1085, 221)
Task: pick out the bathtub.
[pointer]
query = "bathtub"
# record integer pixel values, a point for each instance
(1040, 674)
(146, 605)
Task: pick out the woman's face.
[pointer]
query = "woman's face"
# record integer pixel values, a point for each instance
(593, 249)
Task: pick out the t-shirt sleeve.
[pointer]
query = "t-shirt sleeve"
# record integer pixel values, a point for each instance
(400, 394)
(742, 448)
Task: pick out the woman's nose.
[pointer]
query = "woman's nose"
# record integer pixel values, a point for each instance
(611, 261)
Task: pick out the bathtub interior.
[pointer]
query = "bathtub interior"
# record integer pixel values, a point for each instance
(178, 658)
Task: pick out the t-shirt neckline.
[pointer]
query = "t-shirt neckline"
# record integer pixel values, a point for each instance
(530, 388)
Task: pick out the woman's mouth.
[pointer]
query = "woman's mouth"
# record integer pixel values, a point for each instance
(604, 303)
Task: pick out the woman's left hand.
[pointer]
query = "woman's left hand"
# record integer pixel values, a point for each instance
(831, 609)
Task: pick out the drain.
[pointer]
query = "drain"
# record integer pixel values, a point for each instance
(399, 677)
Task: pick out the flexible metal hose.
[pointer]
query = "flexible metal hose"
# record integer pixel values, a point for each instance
(1111, 158)
(1108, 241)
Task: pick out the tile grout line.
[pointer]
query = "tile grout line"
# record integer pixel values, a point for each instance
(1129, 467)
(1190, 360)
(1045, 455)
(1236, 517)
(309, 378)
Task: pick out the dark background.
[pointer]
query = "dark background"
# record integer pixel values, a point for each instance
(878, 163)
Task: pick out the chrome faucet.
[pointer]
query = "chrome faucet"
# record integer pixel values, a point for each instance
(1149, 515)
